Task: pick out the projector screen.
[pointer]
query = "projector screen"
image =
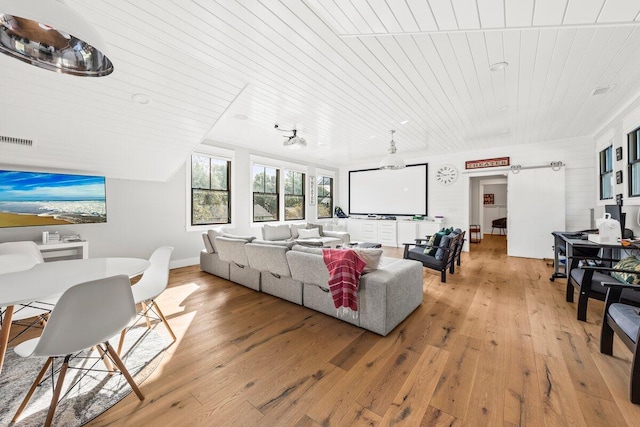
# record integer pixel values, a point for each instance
(389, 192)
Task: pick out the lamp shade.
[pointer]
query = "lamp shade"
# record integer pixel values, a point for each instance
(51, 35)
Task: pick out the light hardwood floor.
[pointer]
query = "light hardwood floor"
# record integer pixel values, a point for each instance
(496, 345)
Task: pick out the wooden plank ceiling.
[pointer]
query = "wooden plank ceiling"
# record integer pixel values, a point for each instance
(343, 72)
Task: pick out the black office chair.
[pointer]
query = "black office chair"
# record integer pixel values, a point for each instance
(624, 320)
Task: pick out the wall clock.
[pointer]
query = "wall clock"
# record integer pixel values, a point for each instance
(446, 174)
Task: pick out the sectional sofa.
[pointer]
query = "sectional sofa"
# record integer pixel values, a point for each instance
(389, 290)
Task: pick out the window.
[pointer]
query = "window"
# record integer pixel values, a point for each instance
(266, 198)
(293, 195)
(606, 173)
(325, 197)
(210, 190)
(633, 151)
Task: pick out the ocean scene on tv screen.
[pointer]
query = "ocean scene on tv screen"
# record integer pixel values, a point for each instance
(33, 198)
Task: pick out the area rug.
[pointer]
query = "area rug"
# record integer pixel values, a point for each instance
(96, 391)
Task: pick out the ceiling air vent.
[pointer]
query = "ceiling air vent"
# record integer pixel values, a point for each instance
(16, 141)
(602, 90)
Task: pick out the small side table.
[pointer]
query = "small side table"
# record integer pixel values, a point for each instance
(474, 233)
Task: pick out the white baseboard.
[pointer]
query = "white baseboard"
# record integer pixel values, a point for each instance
(184, 262)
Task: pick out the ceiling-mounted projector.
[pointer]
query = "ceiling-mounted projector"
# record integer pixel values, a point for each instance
(293, 141)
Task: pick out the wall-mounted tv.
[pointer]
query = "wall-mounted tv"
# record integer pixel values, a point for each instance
(30, 199)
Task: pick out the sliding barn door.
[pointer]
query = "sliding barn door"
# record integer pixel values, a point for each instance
(536, 206)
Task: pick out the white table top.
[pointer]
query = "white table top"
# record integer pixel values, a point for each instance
(53, 278)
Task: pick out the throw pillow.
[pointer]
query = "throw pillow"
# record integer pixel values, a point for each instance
(370, 256)
(311, 233)
(444, 244)
(318, 226)
(276, 232)
(628, 263)
(433, 248)
(295, 228)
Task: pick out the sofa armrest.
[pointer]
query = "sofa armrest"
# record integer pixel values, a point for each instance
(342, 235)
(389, 294)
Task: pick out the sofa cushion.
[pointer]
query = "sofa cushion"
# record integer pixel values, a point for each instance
(295, 228)
(249, 239)
(311, 233)
(370, 256)
(434, 241)
(318, 226)
(207, 243)
(627, 317)
(213, 233)
(306, 249)
(442, 247)
(276, 232)
(628, 263)
(287, 244)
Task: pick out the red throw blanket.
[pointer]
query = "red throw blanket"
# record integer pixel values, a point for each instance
(345, 268)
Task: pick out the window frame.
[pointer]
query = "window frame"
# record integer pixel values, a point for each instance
(633, 159)
(253, 192)
(302, 195)
(220, 154)
(319, 196)
(605, 171)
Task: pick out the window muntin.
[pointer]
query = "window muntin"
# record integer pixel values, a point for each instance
(606, 173)
(294, 195)
(633, 152)
(325, 197)
(266, 198)
(210, 190)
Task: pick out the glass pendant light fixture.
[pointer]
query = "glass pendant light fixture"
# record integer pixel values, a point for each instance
(392, 160)
(50, 35)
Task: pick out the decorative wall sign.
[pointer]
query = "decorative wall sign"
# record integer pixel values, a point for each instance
(618, 153)
(312, 190)
(488, 199)
(486, 163)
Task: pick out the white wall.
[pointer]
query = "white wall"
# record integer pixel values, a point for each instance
(576, 153)
(615, 131)
(142, 215)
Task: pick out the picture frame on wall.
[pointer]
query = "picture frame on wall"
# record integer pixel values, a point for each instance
(488, 199)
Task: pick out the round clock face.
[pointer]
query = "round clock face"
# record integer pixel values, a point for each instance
(446, 175)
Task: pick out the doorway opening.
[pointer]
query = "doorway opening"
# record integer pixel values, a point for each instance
(488, 203)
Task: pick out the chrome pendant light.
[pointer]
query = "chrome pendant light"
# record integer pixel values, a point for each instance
(50, 35)
(392, 160)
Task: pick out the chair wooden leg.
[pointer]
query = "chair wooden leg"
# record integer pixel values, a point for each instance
(606, 337)
(583, 300)
(105, 359)
(164, 320)
(145, 309)
(634, 382)
(443, 276)
(56, 392)
(123, 369)
(121, 342)
(26, 399)
(569, 292)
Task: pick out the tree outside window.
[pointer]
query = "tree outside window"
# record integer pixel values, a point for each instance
(293, 195)
(210, 190)
(325, 197)
(265, 193)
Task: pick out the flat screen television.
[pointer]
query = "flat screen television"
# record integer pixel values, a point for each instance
(30, 199)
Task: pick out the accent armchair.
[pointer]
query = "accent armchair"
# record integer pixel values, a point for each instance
(442, 257)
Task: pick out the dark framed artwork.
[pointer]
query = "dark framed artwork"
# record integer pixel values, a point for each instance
(488, 199)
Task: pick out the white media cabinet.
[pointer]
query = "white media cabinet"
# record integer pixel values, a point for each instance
(390, 232)
(64, 249)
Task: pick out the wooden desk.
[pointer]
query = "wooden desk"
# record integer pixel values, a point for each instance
(53, 278)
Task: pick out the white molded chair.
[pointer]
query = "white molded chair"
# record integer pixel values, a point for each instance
(152, 283)
(87, 315)
(38, 309)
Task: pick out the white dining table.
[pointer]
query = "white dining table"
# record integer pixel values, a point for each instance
(49, 279)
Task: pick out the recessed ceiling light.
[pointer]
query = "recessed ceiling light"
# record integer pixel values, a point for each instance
(240, 117)
(140, 98)
(405, 122)
(499, 66)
